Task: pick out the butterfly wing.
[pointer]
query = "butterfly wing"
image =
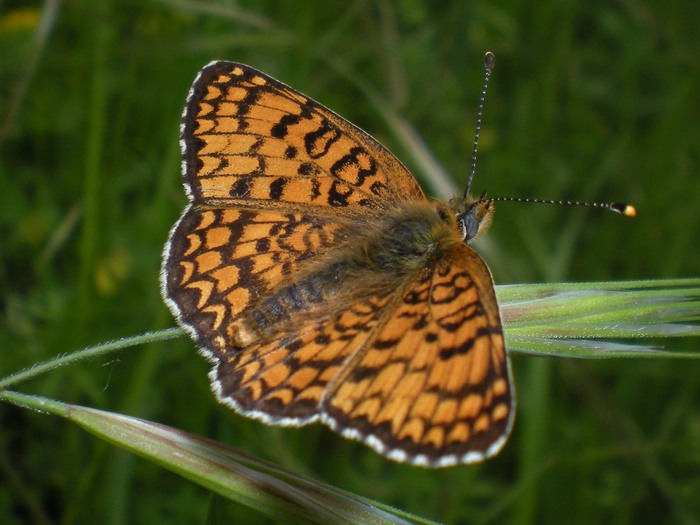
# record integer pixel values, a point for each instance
(272, 177)
(419, 374)
(433, 386)
(251, 141)
(220, 261)
(283, 380)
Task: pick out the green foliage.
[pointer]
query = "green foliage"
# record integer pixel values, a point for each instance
(589, 100)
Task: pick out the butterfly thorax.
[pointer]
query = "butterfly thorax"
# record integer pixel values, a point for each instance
(377, 256)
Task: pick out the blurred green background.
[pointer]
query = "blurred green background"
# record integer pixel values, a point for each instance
(589, 100)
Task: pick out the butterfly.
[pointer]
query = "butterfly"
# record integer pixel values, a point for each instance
(312, 271)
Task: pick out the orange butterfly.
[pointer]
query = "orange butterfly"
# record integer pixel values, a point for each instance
(314, 274)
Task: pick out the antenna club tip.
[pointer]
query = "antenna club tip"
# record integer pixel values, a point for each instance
(625, 209)
(489, 60)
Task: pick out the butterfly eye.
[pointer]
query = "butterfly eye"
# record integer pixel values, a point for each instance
(469, 225)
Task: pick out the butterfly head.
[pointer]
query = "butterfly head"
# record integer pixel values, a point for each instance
(473, 216)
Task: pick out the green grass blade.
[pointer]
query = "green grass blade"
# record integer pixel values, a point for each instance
(579, 319)
(87, 353)
(260, 485)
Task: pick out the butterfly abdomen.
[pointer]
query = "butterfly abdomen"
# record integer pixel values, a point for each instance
(379, 258)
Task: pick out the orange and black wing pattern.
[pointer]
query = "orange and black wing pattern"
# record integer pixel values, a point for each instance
(251, 141)
(272, 177)
(277, 270)
(432, 386)
(285, 379)
(420, 374)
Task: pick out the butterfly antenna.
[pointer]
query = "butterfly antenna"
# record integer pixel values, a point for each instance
(618, 207)
(489, 61)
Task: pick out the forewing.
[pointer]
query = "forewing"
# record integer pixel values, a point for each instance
(251, 141)
(433, 386)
